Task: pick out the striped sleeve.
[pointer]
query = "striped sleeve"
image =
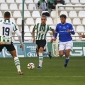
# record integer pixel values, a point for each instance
(49, 28)
(14, 27)
(36, 26)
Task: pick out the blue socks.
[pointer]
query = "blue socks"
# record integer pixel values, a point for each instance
(66, 60)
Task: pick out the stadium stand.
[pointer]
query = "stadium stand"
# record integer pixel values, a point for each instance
(76, 15)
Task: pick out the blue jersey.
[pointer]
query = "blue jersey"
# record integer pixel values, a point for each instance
(62, 30)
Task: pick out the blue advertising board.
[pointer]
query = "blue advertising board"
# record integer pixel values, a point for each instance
(29, 51)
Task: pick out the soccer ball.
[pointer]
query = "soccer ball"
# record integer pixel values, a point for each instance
(30, 66)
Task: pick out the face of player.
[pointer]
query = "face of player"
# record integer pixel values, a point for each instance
(43, 20)
(63, 20)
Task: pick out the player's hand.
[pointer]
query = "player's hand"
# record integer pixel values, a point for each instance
(33, 40)
(68, 30)
(21, 46)
(54, 39)
(51, 41)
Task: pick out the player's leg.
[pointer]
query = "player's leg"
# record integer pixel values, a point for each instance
(41, 49)
(67, 53)
(12, 51)
(1, 47)
(69, 46)
(48, 52)
(42, 43)
(37, 50)
(61, 49)
(37, 47)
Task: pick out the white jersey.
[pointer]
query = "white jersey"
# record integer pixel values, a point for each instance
(6, 29)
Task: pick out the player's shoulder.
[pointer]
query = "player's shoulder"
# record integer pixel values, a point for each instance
(68, 24)
(59, 24)
(37, 23)
(12, 23)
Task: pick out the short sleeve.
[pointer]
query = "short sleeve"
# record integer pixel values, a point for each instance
(36, 26)
(49, 28)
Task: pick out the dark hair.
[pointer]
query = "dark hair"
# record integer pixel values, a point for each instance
(43, 16)
(7, 14)
(63, 16)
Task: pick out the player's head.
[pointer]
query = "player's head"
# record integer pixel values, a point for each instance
(7, 15)
(63, 18)
(43, 19)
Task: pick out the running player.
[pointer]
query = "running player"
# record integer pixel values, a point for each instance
(41, 30)
(64, 30)
(6, 29)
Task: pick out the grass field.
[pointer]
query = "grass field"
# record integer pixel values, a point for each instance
(52, 72)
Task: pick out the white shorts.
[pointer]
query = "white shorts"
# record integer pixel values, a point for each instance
(65, 45)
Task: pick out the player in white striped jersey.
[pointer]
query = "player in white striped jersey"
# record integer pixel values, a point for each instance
(41, 32)
(6, 29)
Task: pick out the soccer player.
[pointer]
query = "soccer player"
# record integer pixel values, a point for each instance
(41, 30)
(64, 30)
(6, 29)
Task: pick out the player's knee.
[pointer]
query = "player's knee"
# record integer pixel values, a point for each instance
(67, 53)
(41, 49)
(13, 53)
(60, 54)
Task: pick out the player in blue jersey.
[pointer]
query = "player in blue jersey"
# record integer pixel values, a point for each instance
(64, 30)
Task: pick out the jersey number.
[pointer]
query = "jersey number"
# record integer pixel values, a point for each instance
(6, 31)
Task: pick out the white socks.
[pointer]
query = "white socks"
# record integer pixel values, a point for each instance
(17, 63)
(40, 59)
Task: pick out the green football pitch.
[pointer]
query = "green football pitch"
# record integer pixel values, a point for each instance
(52, 72)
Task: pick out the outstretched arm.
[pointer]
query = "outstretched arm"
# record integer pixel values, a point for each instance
(53, 32)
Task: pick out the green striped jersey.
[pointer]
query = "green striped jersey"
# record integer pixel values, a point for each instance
(7, 28)
(41, 31)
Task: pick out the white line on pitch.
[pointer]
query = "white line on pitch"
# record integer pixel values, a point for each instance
(47, 77)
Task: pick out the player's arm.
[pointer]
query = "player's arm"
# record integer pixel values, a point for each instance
(20, 38)
(51, 29)
(15, 29)
(56, 32)
(71, 30)
(33, 32)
